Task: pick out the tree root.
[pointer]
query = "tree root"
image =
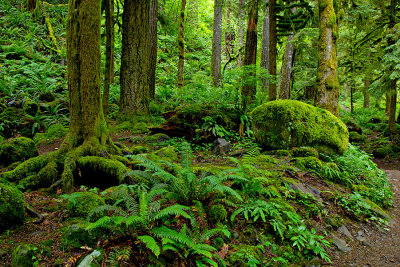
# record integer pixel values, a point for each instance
(35, 213)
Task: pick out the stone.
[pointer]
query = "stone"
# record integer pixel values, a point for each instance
(341, 245)
(18, 149)
(221, 146)
(89, 259)
(343, 229)
(306, 189)
(315, 262)
(47, 97)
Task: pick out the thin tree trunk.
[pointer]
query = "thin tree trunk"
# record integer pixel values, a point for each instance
(240, 31)
(265, 49)
(387, 101)
(249, 87)
(153, 47)
(272, 49)
(135, 58)
(181, 44)
(109, 66)
(216, 43)
(286, 71)
(393, 89)
(367, 82)
(327, 96)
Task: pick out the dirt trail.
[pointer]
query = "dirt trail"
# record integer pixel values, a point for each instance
(375, 246)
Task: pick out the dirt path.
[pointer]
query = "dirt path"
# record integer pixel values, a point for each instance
(373, 246)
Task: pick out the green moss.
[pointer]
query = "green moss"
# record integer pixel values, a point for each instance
(244, 254)
(218, 213)
(18, 149)
(75, 236)
(307, 163)
(332, 165)
(138, 150)
(12, 206)
(83, 203)
(166, 153)
(261, 161)
(156, 138)
(24, 255)
(356, 137)
(45, 178)
(305, 152)
(280, 153)
(282, 124)
(30, 107)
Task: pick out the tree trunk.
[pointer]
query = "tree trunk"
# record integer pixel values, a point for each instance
(272, 49)
(240, 31)
(286, 71)
(153, 19)
(265, 49)
(181, 44)
(249, 86)
(367, 82)
(135, 59)
(31, 4)
(393, 89)
(216, 43)
(387, 101)
(109, 66)
(327, 96)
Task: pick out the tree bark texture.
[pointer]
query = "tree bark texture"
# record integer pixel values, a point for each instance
(109, 66)
(181, 44)
(327, 96)
(265, 48)
(84, 82)
(153, 19)
(286, 71)
(272, 49)
(392, 90)
(250, 55)
(216, 43)
(240, 32)
(135, 59)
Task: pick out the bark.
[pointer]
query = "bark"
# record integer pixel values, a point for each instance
(387, 101)
(367, 83)
(393, 89)
(286, 71)
(153, 46)
(31, 5)
(272, 49)
(181, 44)
(135, 59)
(249, 86)
(265, 48)
(216, 43)
(240, 31)
(327, 96)
(109, 66)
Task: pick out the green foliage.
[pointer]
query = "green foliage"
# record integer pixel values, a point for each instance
(12, 206)
(18, 149)
(81, 203)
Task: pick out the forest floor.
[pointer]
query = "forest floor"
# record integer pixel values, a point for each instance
(372, 245)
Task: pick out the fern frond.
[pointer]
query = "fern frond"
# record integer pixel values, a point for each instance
(100, 223)
(165, 232)
(172, 210)
(150, 244)
(213, 232)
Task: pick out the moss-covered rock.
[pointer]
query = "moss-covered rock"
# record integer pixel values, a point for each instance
(12, 206)
(138, 150)
(24, 255)
(18, 149)
(53, 132)
(83, 202)
(156, 138)
(305, 152)
(47, 97)
(218, 213)
(279, 153)
(30, 107)
(356, 137)
(76, 236)
(167, 153)
(14, 121)
(307, 163)
(282, 124)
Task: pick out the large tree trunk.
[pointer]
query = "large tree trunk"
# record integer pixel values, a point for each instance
(249, 86)
(286, 71)
(135, 58)
(367, 83)
(392, 89)
(240, 31)
(181, 44)
(109, 66)
(327, 96)
(153, 47)
(272, 49)
(216, 43)
(265, 48)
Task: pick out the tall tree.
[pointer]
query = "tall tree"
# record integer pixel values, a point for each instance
(153, 46)
(135, 58)
(286, 71)
(393, 81)
(272, 48)
(181, 44)
(216, 43)
(327, 95)
(250, 56)
(240, 31)
(109, 66)
(265, 47)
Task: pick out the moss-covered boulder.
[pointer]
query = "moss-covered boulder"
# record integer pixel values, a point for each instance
(356, 137)
(18, 149)
(82, 203)
(305, 152)
(30, 107)
(282, 124)
(12, 206)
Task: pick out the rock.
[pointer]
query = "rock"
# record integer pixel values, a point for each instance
(24, 256)
(315, 262)
(12, 206)
(282, 124)
(361, 238)
(221, 146)
(47, 97)
(89, 259)
(305, 152)
(156, 138)
(81, 205)
(18, 149)
(341, 245)
(343, 229)
(306, 189)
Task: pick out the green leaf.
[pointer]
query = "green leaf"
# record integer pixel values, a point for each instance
(150, 244)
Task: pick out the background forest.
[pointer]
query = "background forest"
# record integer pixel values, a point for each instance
(195, 132)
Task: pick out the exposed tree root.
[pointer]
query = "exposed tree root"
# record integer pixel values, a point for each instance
(35, 213)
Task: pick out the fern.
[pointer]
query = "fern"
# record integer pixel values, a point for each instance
(150, 244)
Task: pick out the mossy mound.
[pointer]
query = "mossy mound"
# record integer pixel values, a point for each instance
(307, 163)
(30, 107)
(24, 255)
(53, 132)
(305, 152)
(156, 138)
(18, 149)
(14, 121)
(282, 124)
(356, 137)
(83, 202)
(12, 206)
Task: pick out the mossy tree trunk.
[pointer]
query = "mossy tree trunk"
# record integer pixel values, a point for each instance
(265, 48)
(216, 43)
(367, 83)
(109, 66)
(250, 56)
(286, 71)
(134, 77)
(240, 31)
(153, 46)
(392, 89)
(272, 49)
(181, 44)
(327, 96)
